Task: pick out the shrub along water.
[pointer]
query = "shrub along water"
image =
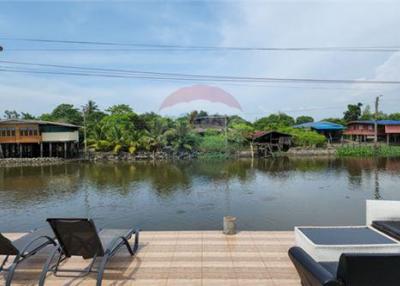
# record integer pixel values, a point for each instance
(368, 151)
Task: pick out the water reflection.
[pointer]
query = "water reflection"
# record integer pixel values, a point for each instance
(265, 194)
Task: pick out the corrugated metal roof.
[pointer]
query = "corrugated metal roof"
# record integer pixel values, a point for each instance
(40, 122)
(321, 125)
(380, 122)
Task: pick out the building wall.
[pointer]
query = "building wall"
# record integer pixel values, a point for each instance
(363, 129)
(21, 133)
(60, 136)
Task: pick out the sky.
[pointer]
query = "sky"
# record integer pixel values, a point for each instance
(203, 23)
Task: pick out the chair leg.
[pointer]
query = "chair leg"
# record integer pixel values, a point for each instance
(11, 271)
(136, 243)
(47, 267)
(103, 263)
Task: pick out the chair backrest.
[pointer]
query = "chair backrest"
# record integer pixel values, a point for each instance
(369, 269)
(6, 246)
(77, 236)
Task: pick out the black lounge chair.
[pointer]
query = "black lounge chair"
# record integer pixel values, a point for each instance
(79, 237)
(23, 248)
(351, 270)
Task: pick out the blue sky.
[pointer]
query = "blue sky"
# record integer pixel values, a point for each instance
(205, 23)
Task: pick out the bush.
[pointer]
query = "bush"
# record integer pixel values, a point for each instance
(213, 143)
(304, 138)
(368, 151)
(103, 145)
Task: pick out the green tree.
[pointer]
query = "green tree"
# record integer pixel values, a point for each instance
(11, 114)
(335, 120)
(239, 133)
(353, 112)
(394, 116)
(304, 119)
(66, 113)
(236, 119)
(274, 121)
(93, 116)
(120, 109)
(27, 116)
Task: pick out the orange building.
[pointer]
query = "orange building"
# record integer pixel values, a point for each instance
(35, 138)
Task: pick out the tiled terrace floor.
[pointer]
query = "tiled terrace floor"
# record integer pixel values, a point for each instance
(188, 259)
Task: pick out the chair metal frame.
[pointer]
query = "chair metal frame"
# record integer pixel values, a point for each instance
(109, 252)
(21, 256)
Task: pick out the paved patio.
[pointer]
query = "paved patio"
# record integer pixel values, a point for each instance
(187, 258)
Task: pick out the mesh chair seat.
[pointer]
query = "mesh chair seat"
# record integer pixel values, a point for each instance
(21, 242)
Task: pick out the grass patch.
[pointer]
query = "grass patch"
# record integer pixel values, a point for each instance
(368, 151)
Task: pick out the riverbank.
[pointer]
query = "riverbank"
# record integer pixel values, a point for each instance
(17, 162)
(329, 151)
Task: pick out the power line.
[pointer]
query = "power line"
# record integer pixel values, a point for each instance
(192, 77)
(158, 47)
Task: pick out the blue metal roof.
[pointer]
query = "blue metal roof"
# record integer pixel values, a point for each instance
(380, 122)
(321, 125)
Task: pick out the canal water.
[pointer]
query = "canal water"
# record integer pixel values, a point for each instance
(272, 194)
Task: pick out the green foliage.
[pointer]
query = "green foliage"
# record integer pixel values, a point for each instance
(368, 151)
(213, 144)
(304, 138)
(236, 119)
(353, 112)
(66, 113)
(335, 120)
(274, 121)
(120, 109)
(11, 114)
(239, 133)
(394, 116)
(304, 119)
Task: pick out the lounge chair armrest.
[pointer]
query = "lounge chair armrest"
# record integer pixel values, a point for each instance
(311, 272)
(124, 239)
(45, 237)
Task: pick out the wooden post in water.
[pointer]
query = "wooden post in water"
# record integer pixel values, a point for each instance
(50, 150)
(65, 150)
(1, 152)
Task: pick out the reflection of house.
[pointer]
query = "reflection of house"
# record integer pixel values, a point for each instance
(268, 142)
(332, 131)
(215, 122)
(34, 138)
(364, 130)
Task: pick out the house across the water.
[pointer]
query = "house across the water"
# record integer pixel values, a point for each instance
(364, 130)
(35, 138)
(332, 131)
(215, 122)
(265, 143)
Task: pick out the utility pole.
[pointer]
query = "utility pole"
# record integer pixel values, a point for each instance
(84, 131)
(376, 120)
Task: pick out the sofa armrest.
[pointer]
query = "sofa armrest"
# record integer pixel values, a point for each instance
(310, 271)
